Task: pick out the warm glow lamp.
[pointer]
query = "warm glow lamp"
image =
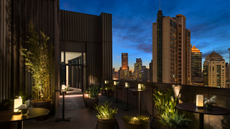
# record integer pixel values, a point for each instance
(106, 82)
(139, 86)
(114, 83)
(17, 103)
(199, 101)
(126, 84)
(63, 87)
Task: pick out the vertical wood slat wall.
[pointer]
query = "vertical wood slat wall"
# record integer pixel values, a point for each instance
(5, 51)
(14, 19)
(96, 33)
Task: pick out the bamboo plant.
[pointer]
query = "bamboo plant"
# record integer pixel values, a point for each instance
(38, 57)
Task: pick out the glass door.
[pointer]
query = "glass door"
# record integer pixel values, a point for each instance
(71, 69)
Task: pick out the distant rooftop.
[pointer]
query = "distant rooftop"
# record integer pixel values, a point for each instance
(194, 49)
(214, 56)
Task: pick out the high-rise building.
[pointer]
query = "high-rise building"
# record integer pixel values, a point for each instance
(151, 71)
(171, 50)
(124, 70)
(144, 73)
(214, 71)
(124, 61)
(227, 84)
(196, 63)
(137, 68)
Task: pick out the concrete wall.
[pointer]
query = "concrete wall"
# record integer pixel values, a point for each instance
(187, 95)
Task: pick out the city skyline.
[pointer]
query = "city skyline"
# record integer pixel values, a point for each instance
(132, 21)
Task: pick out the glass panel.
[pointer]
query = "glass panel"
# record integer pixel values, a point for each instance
(73, 58)
(74, 76)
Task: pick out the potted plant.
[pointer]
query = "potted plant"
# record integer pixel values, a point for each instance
(208, 103)
(136, 122)
(93, 96)
(106, 116)
(167, 116)
(38, 57)
(8, 104)
(86, 95)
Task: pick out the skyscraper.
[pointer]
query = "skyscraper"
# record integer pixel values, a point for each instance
(137, 68)
(214, 71)
(124, 61)
(151, 71)
(196, 63)
(171, 50)
(124, 70)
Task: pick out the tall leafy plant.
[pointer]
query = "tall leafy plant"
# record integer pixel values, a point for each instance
(165, 104)
(38, 57)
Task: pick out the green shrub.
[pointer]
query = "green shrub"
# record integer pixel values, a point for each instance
(165, 104)
(143, 120)
(94, 91)
(104, 111)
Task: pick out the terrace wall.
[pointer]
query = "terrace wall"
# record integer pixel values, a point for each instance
(15, 16)
(90, 34)
(187, 95)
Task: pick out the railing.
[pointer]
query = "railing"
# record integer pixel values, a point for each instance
(187, 95)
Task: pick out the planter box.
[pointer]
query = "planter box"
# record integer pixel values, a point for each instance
(107, 124)
(92, 101)
(43, 104)
(135, 126)
(85, 97)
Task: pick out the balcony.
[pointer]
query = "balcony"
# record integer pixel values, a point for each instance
(84, 118)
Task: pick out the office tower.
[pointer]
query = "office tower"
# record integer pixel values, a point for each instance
(113, 73)
(214, 71)
(124, 70)
(124, 61)
(137, 68)
(196, 63)
(145, 73)
(151, 71)
(171, 50)
(227, 75)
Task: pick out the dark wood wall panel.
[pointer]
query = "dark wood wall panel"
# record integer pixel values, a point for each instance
(94, 64)
(79, 27)
(15, 16)
(5, 50)
(96, 32)
(106, 20)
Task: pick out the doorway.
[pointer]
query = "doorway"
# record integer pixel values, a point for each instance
(72, 70)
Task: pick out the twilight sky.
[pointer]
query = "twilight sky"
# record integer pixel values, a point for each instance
(208, 20)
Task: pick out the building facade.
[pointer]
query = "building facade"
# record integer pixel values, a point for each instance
(124, 70)
(171, 50)
(214, 71)
(82, 46)
(151, 71)
(137, 68)
(196, 63)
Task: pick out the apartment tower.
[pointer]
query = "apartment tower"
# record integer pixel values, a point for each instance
(124, 70)
(196, 63)
(137, 68)
(171, 50)
(214, 71)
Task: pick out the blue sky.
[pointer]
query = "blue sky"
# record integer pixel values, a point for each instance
(209, 22)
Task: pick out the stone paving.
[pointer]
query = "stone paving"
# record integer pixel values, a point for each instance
(81, 117)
